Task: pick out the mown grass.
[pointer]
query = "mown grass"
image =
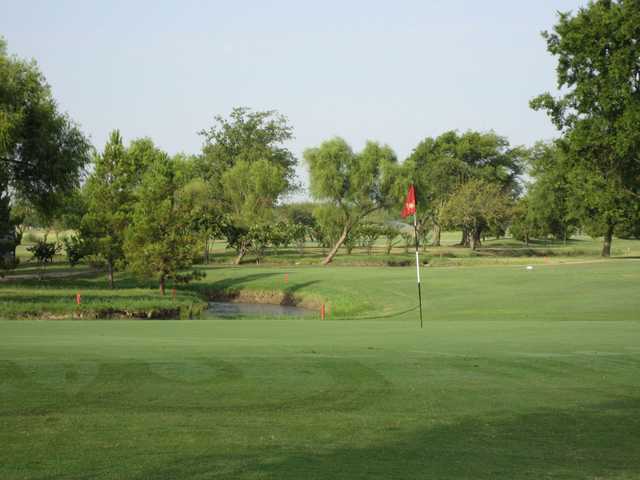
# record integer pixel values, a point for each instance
(516, 374)
(486, 292)
(582, 291)
(472, 398)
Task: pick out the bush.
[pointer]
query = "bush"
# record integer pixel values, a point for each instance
(399, 263)
(75, 248)
(43, 252)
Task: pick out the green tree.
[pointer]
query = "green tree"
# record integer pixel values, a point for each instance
(599, 110)
(42, 152)
(390, 233)
(246, 136)
(9, 236)
(356, 184)
(368, 235)
(629, 227)
(298, 233)
(476, 206)
(43, 252)
(551, 197)
(72, 209)
(523, 223)
(299, 217)
(250, 192)
(328, 222)
(161, 241)
(75, 249)
(110, 198)
(209, 220)
(438, 167)
(600, 204)
(246, 163)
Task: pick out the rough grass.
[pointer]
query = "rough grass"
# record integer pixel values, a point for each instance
(55, 298)
(517, 374)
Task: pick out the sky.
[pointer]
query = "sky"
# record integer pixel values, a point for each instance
(391, 71)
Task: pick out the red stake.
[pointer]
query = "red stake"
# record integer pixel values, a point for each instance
(286, 278)
(78, 299)
(322, 312)
(173, 293)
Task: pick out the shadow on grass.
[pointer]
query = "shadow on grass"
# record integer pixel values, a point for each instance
(597, 441)
(536, 242)
(230, 283)
(231, 288)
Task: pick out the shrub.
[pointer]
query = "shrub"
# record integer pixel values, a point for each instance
(75, 249)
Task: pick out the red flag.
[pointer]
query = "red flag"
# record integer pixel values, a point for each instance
(410, 203)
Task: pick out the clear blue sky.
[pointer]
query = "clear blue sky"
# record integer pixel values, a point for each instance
(393, 71)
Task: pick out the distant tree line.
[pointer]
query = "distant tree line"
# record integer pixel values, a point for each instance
(133, 206)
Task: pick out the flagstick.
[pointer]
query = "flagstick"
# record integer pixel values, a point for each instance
(415, 229)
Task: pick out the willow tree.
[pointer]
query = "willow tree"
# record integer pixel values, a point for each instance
(355, 183)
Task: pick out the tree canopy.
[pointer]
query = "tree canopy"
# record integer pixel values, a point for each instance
(599, 110)
(356, 184)
(439, 166)
(248, 167)
(42, 151)
(110, 197)
(161, 239)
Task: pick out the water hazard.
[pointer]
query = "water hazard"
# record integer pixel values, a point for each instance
(248, 310)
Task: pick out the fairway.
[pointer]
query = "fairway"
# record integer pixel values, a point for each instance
(517, 374)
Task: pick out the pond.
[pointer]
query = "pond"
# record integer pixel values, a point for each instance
(237, 310)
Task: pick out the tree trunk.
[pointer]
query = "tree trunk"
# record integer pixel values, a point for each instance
(476, 235)
(110, 273)
(608, 236)
(241, 253)
(473, 238)
(162, 285)
(205, 256)
(437, 231)
(464, 241)
(336, 247)
(472, 243)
